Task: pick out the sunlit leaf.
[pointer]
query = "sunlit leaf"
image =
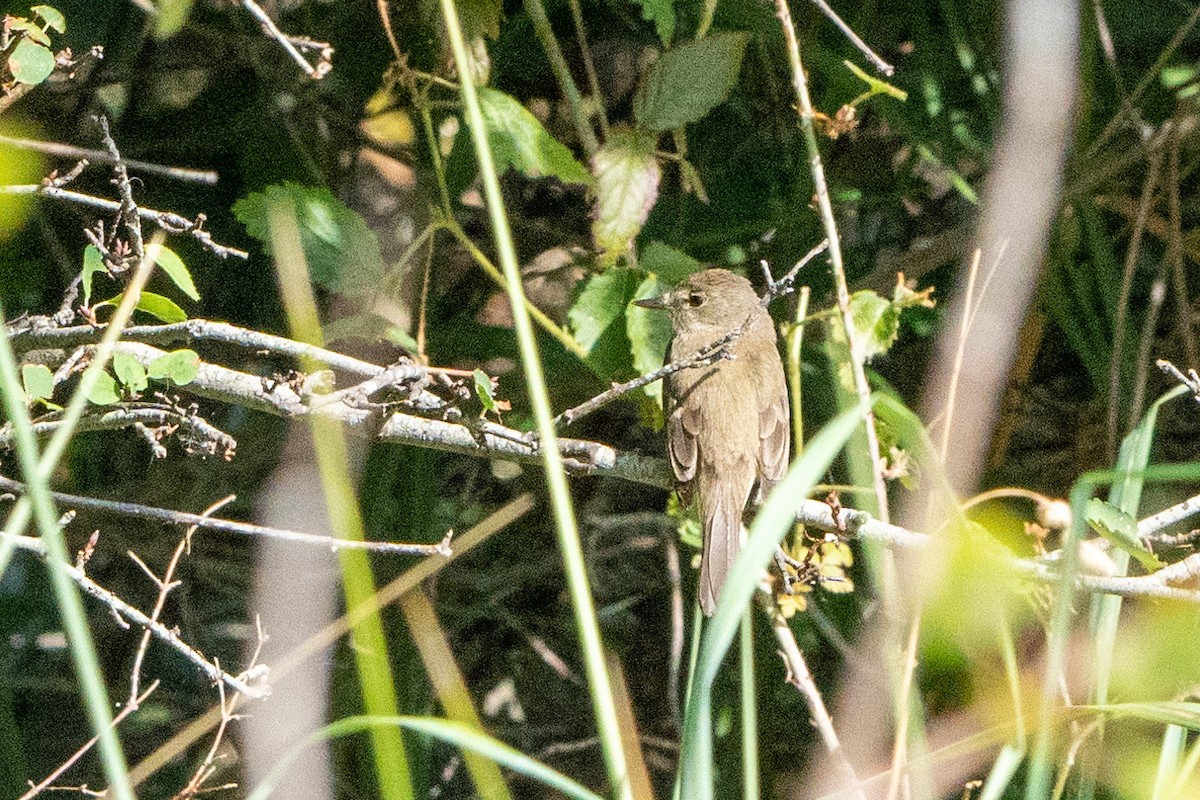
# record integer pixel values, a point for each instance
(662, 14)
(30, 62)
(178, 366)
(600, 303)
(30, 29)
(1120, 528)
(876, 322)
(341, 250)
(177, 271)
(627, 177)
(105, 392)
(52, 17)
(689, 81)
(519, 141)
(649, 332)
(38, 381)
(171, 17)
(669, 264)
(129, 372)
(483, 390)
(93, 262)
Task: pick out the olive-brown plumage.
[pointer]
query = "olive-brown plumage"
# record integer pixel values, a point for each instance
(727, 424)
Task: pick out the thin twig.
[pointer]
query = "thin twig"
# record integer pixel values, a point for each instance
(704, 357)
(251, 683)
(165, 585)
(133, 705)
(799, 675)
(171, 517)
(829, 223)
(205, 176)
(848, 32)
(324, 65)
(168, 221)
(128, 209)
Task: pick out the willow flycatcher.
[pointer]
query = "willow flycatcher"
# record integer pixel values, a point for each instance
(727, 424)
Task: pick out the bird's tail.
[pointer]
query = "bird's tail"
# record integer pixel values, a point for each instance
(721, 509)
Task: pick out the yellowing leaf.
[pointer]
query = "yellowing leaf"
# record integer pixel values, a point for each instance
(627, 176)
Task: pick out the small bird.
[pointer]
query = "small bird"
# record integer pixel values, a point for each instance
(727, 424)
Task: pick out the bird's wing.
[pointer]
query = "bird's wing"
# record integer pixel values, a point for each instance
(682, 425)
(774, 432)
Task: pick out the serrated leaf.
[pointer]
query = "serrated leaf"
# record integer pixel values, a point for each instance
(105, 392)
(519, 141)
(649, 332)
(38, 381)
(341, 250)
(30, 62)
(689, 81)
(52, 17)
(1120, 528)
(483, 390)
(876, 322)
(177, 271)
(93, 262)
(130, 372)
(627, 176)
(662, 14)
(180, 367)
(670, 265)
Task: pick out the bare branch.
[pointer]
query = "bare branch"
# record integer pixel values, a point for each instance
(168, 221)
(171, 517)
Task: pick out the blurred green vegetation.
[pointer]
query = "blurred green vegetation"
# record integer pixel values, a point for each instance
(375, 159)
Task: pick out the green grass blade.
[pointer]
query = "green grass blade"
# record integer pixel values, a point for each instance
(773, 521)
(454, 733)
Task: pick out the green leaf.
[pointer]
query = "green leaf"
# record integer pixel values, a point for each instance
(105, 392)
(177, 271)
(162, 307)
(649, 332)
(342, 251)
(669, 264)
(172, 15)
(519, 141)
(30, 29)
(129, 372)
(52, 17)
(598, 306)
(30, 62)
(1120, 528)
(93, 262)
(689, 81)
(876, 322)
(662, 14)
(483, 390)
(627, 176)
(180, 367)
(38, 381)
(153, 304)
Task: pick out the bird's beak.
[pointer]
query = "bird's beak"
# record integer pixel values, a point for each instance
(652, 302)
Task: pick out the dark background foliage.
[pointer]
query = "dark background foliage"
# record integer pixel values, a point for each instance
(219, 95)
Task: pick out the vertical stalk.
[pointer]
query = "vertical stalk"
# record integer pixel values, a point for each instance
(560, 499)
(376, 683)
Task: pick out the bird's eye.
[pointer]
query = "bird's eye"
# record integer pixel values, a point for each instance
(695, 299)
